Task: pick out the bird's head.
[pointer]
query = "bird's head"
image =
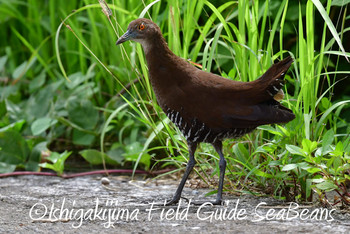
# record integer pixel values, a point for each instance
(140, 30)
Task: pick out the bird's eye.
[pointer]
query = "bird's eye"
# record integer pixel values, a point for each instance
(142, 26)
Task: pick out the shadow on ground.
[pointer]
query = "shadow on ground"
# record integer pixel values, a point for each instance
(84, 204)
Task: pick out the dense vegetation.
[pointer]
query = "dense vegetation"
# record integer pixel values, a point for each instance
(66, 90)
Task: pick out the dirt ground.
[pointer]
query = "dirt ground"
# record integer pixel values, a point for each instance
(39, 204)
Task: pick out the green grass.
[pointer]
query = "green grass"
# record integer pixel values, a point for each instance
(109, 105)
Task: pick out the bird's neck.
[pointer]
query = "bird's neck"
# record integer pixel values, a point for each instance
(166, 70)
(157, 50)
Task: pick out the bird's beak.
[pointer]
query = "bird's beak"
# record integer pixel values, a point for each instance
(127, 36)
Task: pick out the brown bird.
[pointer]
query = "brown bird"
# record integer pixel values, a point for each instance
(204, 106)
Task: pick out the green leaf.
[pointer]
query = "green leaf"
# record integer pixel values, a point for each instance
(82, 138)
(57, 161)
(75, 79)
(337, 164)
(132, 153)
(293, 149)
(35, 156)
(3, 60)
(242, 153)
(340, 2)
(330, 25)
(42, 124)
(289, 167)
(48, 166)
(270, 129)
(117, 154)
(275, 163)
(38, 104)
(3, 109)
(325, 103)
(16, 126)
(326, 185)
(317, 180)
(284, 130)
(327, 140)
(260, 173)
(94, 157)
(313, 170)
(82, 113)
(232, 73)
(309, 146)
(145, 159)
(13, 148)
(144, 11)
(303, 165)
(339, 149)
(269, 147)
(37, 82)
(23, 68)
(307, 120)
(7, 168)
(308, 187)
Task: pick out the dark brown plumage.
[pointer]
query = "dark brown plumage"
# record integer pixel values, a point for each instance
(205, 106)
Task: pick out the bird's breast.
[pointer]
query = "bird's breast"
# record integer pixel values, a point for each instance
(194, 130)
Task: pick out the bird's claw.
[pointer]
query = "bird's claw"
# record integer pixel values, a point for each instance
(176, 200)
(198, 203)
(215, 203)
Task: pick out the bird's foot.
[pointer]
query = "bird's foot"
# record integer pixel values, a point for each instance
(175, 200)
(215, 203)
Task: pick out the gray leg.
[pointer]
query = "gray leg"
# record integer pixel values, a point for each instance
(191, 162)
(222, 166)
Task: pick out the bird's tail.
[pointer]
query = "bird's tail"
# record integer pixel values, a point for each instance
(273, 79)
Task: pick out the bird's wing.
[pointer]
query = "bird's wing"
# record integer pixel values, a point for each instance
(223, 103)
(218, 111)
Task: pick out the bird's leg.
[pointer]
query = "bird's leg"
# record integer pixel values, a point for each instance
(191, 162)
(222, 165)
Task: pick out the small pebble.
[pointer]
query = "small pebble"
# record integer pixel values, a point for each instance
(195, 192)
(105, 181)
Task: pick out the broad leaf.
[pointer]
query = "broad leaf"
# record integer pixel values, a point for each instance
(289, 167)
(41, 125)
(13, 148)
(326, 185)
(82, 113)
(293, 149)
(95, 157)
